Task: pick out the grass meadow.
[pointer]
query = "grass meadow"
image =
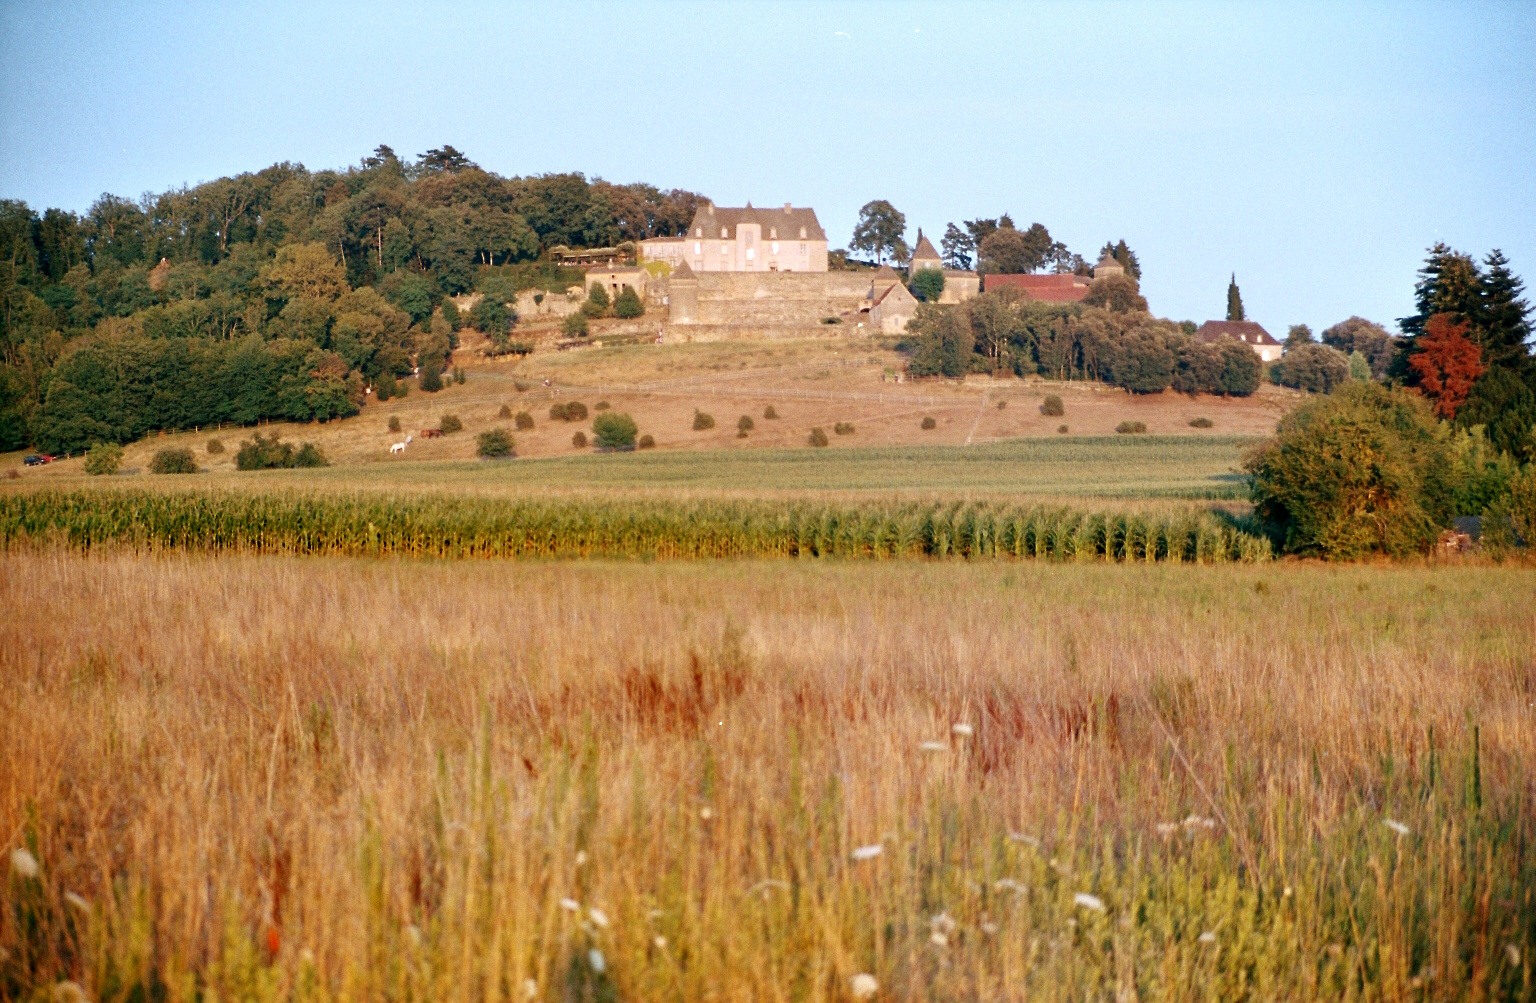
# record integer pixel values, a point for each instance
(281, 778)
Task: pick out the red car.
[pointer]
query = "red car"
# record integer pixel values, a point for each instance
(37, 458)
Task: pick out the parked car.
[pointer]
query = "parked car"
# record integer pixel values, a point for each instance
(37, 458)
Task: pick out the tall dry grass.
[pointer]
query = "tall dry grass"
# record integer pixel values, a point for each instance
(324, 779)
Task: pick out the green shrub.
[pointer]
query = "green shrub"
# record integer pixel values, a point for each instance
(928, 284)
(843, 428)
(1061, 430)
(214, 447)
(505, 412)
(1364, 470)
(1201, 423)
(458, 374)
(818, 437)
(579, 440)
(770, 413)
(628, 304)
(173, 461)
(601, 406)
(575, 326)
(702, 421)
(103, 458)
(452, 315)
(1131, 428)
(309, 455)
(647, 442)
(522, 386)
(597, 301)
(745, 423)
(432, 376)
(929, 422)
(394, 423)
(1312, 367)
(384, 389)
(568, 411)
(1511, 519)
(1053, 407)
(523, 421)
(614, 431)
(494, 444)
(449, 424)
(269, 452)
(1002, 404)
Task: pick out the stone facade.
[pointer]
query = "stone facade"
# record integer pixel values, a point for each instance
(923, 256)
(1248, 332)
(614, 279)
(724, 239)
(959, 286)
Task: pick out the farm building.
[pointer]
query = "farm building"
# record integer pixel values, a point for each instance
(1246, 331)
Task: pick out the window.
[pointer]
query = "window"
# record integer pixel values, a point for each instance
(775, 247)
(698, 247)
(751, 253)
(773, 233)
(722, 233)
(698, 231)
(802, 233)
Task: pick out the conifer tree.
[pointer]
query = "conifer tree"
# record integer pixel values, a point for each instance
(1504, 317)
(1234, 300)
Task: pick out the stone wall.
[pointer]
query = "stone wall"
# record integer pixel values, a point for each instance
(767, 299)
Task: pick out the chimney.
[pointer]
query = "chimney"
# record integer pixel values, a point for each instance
(711, 207)
(786, 207)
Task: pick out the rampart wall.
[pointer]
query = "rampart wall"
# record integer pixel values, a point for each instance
(767, 299)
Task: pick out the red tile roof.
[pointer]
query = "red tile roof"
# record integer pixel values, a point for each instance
(1048, 288)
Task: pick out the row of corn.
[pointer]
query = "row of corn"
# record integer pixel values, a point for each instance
(440, 526)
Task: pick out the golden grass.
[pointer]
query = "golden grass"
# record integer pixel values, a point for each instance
(273, 778)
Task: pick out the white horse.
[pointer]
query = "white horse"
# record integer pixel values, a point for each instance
(399, 447)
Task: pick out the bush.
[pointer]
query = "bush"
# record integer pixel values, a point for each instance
(597, 301)
(1002, 404)
(770, 413)
(568, 411)
(628, 304)
(614, 431)
(601, 406)
(1143, 362)
(575, 326)
(173, 461)
(818, 437)
(929, 422)
(267, 453)
(494, 444)
(702, 421)
(523, 421)
(745, 423)
(449, 424)
(432, 376)
(1364, 470)
(928, 284)
(104, 458)
(451, 314)
(1241, 370)
(1512, 518)
(843, 428)
(1201, 423)
(1312, 367)
(1061, 429)
(505, 412)
(1131, 428)
(214, 447)
(458, 375)
(647, 442)
(309, 455)
(384, 389)
(394, 423)
(579, 440)
(1053, 407)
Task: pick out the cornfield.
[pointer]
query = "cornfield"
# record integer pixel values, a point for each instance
(457, 527)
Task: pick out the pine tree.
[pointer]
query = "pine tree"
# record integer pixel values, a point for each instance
(1234, 301)
(1127, 259)
(1504, 317)
(1450, 282)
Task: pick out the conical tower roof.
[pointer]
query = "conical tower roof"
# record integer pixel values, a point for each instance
(924, 248)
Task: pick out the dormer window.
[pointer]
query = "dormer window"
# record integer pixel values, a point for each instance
(802, 233)
(773, 233)
(698, 231)
(722, 233)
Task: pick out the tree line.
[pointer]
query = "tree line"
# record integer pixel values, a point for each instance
(333, 278)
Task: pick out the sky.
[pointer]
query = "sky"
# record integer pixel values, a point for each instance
(1313, 150)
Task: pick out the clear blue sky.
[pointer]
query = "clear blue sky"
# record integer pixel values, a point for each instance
(1314, 149)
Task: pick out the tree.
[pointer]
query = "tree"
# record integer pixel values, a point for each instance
(1505, 406)
(1446, 363)
(1450, 282)
(491, 318)
(1124, 256)
(1240, 369)
(1369, 339)
(614, 431)
(1359, 368)
(1503, 315)
(305, 270)
(444, 159)
(494, 444)
(103, 458)
(1314, 368)
(1234, 301)
(1144, 362)
(879, 230)
(944, 342)
(928, 284)
(1365, 470)
(628, 305)
(958, 247)
(597, 301)
(1007, 251)
(1117, 293)
(1298, 335)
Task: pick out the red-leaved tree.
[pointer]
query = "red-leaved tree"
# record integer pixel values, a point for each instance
(1446, 364)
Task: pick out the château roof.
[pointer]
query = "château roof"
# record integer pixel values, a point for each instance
(1062, 288)
(1246, 331)
(712, 219)
(924, 249)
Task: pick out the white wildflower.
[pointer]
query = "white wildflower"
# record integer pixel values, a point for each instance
(1396, 826)
(1208, 937)
(962, 729)
(934, 747)
(659, 941)
(597, 961)
(23, 863)
(943, 921)
(413, 934)
(706, 813)
(1088, 901)
(938, 939)
(767, 885)
(989, 928)
(1167, 828)
(530, 989)
(863, 986)
(581, 857)
(78, 901)
(599, 918)
(868, 852)
(1287, 893)
(1513, 953)
(570, 905)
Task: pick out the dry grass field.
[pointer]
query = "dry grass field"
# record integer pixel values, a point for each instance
(269, 778)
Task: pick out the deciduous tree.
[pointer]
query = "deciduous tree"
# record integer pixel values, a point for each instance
(1446, 363)
(879, 230)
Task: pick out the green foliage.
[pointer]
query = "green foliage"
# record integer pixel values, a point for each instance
(628, 305)
(647, 442)
(269, 453)
(394, 423)
(1052, 406)
(1241, 370)
(523, 421)
(494, 444)
(431, 380)
(1505, 405)
(745, 423)
(505, 412)
(1364, 470)
(173, 461)
(944, 342)
(1312, 367)
(575, 325)
(928, 284)
(1201, 423)
(1116, 293)
(818, 437)
(597, 302)
(1132, 428)
(702, 421)
(1359, 367)
(579, 440)
(1480, 474)
(1510, 519)
(1234, 301)
(451, 314)
(1299, 334)
(568, 411)
(450, 423)
(770, 413)
(1371, 340)
(613, 430)
(214, 447)
(458, 375)
(843, 428)
(879, 230)
(1144, 362)
(494, 319)
(601, 406)
(1061, 430)
(929, 422)
(103, 458)
(309, 455)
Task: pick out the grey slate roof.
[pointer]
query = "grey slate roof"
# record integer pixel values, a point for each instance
(1246, 331)
(924, 248)
(787, 222)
